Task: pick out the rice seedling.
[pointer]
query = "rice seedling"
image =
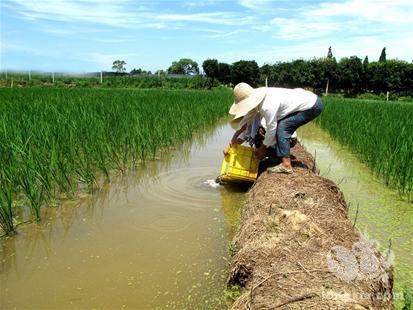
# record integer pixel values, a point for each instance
(52, 140)
(379, 132)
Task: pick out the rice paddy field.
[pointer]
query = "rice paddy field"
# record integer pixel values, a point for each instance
(155, 216)
(379, 132)
(56, 143)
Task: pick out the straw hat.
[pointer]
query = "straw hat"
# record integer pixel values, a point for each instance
(246, 99)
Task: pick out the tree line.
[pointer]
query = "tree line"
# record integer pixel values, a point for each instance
(350, 75)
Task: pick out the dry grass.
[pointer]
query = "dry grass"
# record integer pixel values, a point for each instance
(289, 225)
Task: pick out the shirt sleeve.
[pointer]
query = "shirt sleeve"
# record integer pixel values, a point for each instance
(247, 119)
(271, 122)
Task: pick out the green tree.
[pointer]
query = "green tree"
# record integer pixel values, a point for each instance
(160, 72)
(211, 69)
(224, 73)
(136, 71)
(330, 53)
(383, 55)
(366, 62)
(391, 75)
(323, 77)
(366, 74)
(119, 66)
(184, 66)
(300, 73)
(245, 71)
(265, 73)
(350, 74)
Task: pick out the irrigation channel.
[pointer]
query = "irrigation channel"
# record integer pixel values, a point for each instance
(159, 236)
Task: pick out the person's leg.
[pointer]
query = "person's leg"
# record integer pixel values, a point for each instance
(288, 125)
(283, 141)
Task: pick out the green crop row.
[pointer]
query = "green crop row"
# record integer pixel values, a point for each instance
(54, 141)
(18, 80)
(379, 132)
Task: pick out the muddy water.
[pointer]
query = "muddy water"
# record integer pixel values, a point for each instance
(157, 237)
(382, 215)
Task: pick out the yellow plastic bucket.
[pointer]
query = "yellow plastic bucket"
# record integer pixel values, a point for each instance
(239, 165)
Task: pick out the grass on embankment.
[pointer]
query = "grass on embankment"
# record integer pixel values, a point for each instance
(53, 140)
(379, 132)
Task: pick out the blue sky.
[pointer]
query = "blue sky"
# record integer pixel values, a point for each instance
(88, 35)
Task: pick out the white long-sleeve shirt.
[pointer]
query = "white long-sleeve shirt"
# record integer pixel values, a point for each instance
(252, 129)
(277, 104)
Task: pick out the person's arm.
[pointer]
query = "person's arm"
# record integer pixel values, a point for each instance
(235, 138)
(243, 125)
(245, 122)
(271, 122)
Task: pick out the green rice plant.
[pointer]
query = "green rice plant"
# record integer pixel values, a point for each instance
(6, 203)
(379, 132)
(59, 141)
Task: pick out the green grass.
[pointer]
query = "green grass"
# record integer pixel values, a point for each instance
(55, 141)
(379, 132)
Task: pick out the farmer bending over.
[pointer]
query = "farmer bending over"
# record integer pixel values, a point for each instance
(255, 134)
(284, 110)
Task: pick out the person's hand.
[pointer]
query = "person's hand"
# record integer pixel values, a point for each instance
(261, 132)
(226, 150)
(235, 142)
(261, 152)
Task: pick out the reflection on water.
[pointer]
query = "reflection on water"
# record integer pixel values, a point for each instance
(382, 214)
(155, 237)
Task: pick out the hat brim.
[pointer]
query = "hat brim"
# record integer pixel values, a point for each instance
(241, 108)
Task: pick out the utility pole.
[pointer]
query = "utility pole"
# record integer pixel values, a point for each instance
(101, 77)
(266, 82)
(6, 74)
(53, 77)
(11, 84)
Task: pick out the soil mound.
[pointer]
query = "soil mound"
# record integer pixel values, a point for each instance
(296, 247)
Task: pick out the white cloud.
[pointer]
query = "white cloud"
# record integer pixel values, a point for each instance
(295, 29)
(201, 3)
(101, 12)
(224, 34)
(255, 4)
(121, 13)
(395, 11)
(222, 18)
(348, 18)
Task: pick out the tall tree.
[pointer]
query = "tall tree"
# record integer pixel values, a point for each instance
(330, 53)
(245, 71)
(383, 55)
(366, 62)
(185, 66)
(350, 74)
(366, 74)
(224, 73)
(119, 66)
(211, 69)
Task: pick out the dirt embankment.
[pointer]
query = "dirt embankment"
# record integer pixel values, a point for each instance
(297, 249)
